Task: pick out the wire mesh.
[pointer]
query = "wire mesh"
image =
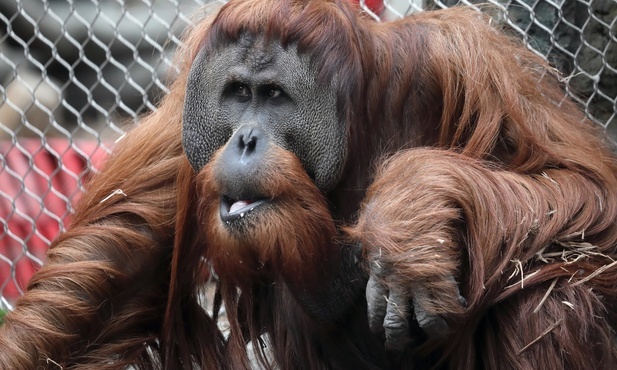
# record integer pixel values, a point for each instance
(75, 74)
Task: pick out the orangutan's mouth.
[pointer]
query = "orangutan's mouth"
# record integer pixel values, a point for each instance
(232, 209)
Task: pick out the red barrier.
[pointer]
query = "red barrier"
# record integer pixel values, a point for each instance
(37, 185)
(376, 6)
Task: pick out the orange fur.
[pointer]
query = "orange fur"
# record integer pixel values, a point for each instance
(507, 237)
(511, 180)
(297, 241)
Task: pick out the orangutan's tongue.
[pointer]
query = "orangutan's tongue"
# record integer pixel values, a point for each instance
(238, 205)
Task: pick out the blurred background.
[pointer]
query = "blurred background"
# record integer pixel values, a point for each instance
(76, 74)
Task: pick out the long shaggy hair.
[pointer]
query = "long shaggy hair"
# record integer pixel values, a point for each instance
(466, 162)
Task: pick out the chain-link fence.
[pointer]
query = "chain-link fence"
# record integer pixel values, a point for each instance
(74, 74)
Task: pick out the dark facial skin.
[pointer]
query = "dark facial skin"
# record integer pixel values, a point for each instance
(251, 96)
(243, 101)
